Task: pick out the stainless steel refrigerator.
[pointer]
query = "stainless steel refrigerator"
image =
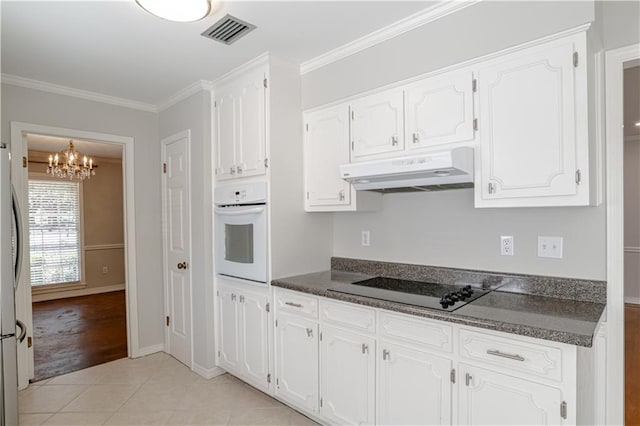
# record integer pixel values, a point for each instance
(10, 247)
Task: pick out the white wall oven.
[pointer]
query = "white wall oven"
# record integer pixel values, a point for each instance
(241, 231)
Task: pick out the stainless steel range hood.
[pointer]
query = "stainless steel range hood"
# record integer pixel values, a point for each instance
(435, 171)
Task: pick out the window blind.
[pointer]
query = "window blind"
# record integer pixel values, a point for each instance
(54, 231)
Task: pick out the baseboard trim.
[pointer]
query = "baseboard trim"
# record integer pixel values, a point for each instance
(207, 373)
(632, 300)
(148, 350)
(43, 297)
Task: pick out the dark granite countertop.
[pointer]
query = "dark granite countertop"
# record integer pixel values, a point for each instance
(551, 318)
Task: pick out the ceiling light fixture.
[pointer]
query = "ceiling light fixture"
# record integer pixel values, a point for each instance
(638, 124)
(179, 10)
(67, 164)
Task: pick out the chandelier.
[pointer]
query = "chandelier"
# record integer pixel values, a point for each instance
(68, 164)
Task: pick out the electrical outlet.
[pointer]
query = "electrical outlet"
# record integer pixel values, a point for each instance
(105, 269)
(550, 247)
(506, 245)
(365, 238)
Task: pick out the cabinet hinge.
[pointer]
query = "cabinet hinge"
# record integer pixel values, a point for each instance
(277, 382)
(307, 195)
(218, 354)
(264, 83)
(215, 104)
(575, 59)
(474, 85)
(168, 320)
(276, 323)
(266, 163)
(164, 167)
(307, 127)
(578, 176)
(24, 162)
(475, 124)
(269, 378)
(218, 293)
(453, 375)
(321, 336)
(268, 307)
(321, 402)
(563, 410)
(352, 145)
(353, 115)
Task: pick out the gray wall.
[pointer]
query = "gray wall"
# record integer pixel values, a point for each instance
(620, 22)
(38, 107)
(194, 114)
(443, 228)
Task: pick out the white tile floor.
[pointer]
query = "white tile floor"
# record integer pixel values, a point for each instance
(153, 390)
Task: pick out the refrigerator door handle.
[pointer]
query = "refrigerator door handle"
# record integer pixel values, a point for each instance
(23, 331)
(18, 220)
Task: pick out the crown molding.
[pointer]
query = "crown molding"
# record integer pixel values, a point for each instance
(260, 60)
(28, 83)
(395, 29)
(192, 89)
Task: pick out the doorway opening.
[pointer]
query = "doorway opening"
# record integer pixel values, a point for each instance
(76, 252)
(631, 132)
(20, 134)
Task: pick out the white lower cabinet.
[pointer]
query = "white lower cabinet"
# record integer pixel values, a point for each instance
(244, 334)
(414, 387)
(347, 377)
(297, 361)
(490, 398)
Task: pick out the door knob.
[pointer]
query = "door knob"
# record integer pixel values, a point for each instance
(182, 265)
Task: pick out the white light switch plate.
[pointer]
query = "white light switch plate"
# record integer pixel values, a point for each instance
(550, 247)
(366, 238)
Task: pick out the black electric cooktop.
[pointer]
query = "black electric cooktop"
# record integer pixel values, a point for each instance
(444, 297)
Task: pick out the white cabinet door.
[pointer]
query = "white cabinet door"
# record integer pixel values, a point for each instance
(229, 331)
(439, 110)
(414, 387)
(251, 128)
(490, 398)
(297, 361)
(254, 332)
(225, 119)
(528, 128)
(326, 147)
(347, 382)
(377, 124)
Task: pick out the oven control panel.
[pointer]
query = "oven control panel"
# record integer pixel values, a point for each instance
(247, 193)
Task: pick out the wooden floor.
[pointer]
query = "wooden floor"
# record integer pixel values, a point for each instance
(78, 332)
(632, 364)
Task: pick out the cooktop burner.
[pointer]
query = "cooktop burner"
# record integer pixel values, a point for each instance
(445, 297)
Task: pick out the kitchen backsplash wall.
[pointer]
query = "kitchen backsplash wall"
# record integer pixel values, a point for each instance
(444, 229)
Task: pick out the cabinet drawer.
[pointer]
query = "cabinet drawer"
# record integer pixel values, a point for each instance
(296, 302)
(516, 355)
(436, 335)
(362, 319)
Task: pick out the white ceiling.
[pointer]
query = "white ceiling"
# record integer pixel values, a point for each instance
(54, 144)
(116, 48)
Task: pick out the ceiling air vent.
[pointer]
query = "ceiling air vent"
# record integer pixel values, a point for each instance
(228, 30)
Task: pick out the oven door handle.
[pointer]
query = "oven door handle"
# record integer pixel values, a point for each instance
(239, 212)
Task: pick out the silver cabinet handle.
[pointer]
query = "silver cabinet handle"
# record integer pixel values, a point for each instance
(232, 170)
(416, 137)
(467, 378)
(295, 305)
(365, 348)
(515, 357)
(386, 354)
(341, 195)
(394, 140)
(239, 169)
(309, 332)
(492, 188)
(233, 296)
(241, 299)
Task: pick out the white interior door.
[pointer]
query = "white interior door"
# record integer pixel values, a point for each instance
(177, 246)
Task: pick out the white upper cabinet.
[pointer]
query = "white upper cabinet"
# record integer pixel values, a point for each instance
(439, 110)
(240, 125)
(377, 124)
(326, 147)
(533, 128)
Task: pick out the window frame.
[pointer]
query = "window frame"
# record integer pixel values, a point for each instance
(72, 285)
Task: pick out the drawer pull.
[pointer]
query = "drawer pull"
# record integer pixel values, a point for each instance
(365, 348)
(515, 357)
(386, 354)
(309, 332)
(295, 305)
